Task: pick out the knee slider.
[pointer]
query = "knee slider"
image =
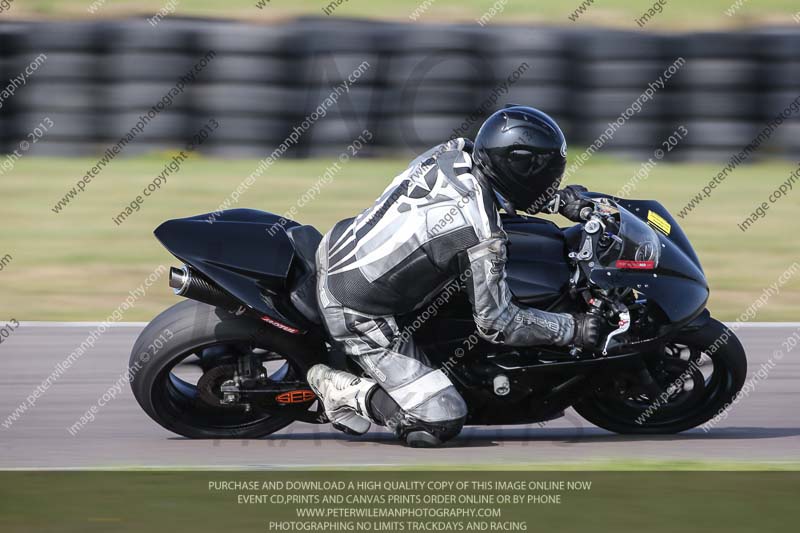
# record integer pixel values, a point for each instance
(420, 434)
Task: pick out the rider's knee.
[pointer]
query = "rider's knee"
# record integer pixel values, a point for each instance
(432, 423)
(436, 421)
(446, 404)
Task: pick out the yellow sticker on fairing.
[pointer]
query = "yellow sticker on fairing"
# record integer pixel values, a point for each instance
(659, 222)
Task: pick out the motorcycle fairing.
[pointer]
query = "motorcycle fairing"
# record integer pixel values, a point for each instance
(678, 285)
(641, 208)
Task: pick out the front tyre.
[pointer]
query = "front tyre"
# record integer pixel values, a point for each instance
(192, 334)
(701, 372)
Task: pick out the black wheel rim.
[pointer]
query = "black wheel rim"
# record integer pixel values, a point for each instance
(693, 382)
(181, 402)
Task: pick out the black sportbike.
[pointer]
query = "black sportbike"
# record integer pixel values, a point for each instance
(230, 360)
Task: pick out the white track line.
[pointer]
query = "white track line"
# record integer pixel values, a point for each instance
(37, 324)
(763, 324)
(219, 468)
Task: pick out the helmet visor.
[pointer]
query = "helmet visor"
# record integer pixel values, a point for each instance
(526, 163)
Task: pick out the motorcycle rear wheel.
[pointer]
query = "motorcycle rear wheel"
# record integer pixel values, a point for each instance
(614, 411)
(189, 329)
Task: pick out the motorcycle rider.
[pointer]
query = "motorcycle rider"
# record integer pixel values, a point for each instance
(435, 222)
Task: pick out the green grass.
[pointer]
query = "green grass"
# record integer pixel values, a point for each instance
(86, 502)
(78, 265)
(677, 14)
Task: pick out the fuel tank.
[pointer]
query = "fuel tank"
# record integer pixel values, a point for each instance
(538, 270)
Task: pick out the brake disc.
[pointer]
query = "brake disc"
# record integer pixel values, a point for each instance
(208, 386)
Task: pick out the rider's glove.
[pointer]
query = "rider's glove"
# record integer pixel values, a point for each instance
(587, 331)
(570, 202)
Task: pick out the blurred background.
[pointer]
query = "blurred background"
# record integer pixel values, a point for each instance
(423, 81)
(682, 87)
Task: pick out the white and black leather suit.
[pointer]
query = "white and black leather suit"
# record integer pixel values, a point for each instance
(434, 220)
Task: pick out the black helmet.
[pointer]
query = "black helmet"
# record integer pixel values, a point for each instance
(523, 154)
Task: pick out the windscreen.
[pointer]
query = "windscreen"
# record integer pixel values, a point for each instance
(627, 242)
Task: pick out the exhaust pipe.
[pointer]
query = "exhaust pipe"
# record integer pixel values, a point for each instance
(179, 279)
(189, 284)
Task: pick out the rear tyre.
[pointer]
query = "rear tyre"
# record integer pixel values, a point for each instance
(190, 328)
(696, 392)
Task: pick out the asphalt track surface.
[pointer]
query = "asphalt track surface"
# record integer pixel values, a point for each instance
(764, 426)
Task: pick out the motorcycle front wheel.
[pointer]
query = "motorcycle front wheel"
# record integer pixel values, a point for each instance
(699, 375)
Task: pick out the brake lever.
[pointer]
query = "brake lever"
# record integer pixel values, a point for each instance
(623, 325)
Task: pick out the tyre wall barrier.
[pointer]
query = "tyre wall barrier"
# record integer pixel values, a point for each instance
(423, 84)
